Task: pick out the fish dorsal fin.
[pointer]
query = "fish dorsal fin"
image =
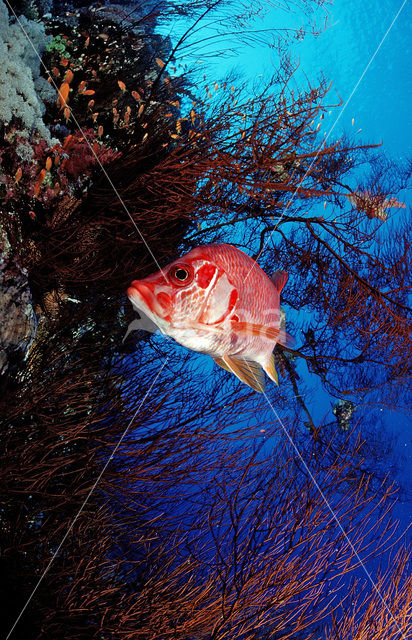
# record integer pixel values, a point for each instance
(279, 279)
(247, 371)
(271, 369)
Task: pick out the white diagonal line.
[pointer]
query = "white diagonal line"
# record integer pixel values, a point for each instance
(160, 370)
(158, 374)
(110, 181)
(292, 197)
(375, 587)
(87, 498)
(324, 498)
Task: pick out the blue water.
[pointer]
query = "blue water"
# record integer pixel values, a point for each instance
(372, 75)
(366, 53)
(381, 103)
(373, 82)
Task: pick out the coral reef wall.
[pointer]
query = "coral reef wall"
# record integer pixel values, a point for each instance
(68, 249)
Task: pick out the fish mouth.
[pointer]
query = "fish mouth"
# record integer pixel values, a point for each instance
(142, 297)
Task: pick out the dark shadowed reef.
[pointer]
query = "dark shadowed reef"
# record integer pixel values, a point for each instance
(208, 522)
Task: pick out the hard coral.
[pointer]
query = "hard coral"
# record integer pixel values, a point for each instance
(20, 78)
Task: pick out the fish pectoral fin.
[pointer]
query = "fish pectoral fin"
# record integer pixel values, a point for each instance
(259, 330)
(271, 370)
(141, 324)
(250, 329)
(247, 371)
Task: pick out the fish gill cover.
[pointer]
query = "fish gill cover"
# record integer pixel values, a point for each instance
(142, 498)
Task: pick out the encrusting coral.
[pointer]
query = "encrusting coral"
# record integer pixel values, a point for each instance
(18, 320)
(104, 63)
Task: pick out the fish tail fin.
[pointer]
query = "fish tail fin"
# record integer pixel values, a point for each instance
(285, 339)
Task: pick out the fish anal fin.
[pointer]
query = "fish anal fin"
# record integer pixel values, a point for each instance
(247, 371)
(271, 370)
(279, 279)
(222, 363)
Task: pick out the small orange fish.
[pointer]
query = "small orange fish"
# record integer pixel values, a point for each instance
(121, 85)
(67, 140)
(18, 175)
(49, 163)
(216, 300)
(68, 76)
(63, 93)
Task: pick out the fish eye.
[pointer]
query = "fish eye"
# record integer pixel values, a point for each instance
(181, 274)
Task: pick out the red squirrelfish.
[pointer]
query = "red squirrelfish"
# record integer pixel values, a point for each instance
(216, 300)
